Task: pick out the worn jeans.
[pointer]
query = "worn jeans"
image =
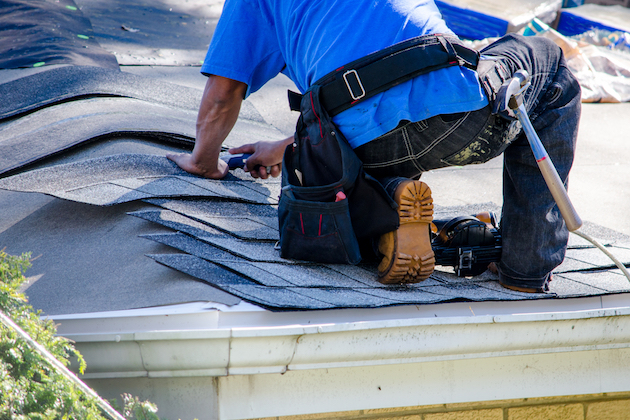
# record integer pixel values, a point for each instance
(534, 233)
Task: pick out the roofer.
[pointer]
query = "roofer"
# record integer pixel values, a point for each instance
(439, 118)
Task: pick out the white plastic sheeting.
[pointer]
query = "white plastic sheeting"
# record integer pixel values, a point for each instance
(595, 16)
(603, 73)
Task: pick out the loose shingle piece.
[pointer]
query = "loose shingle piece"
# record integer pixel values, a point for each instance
(121, 178)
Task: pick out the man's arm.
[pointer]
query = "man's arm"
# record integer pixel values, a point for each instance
(220, 105)
(218, 112)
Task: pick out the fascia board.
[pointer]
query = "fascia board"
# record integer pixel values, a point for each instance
(309, 392)
(242, 351)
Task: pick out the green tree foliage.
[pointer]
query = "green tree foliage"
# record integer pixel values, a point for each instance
(29, 387)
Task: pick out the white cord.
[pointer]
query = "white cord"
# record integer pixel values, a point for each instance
(605, 251)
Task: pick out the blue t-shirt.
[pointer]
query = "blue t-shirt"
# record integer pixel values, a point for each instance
(306, 39)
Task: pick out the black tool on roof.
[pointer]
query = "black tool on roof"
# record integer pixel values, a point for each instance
(467, 243)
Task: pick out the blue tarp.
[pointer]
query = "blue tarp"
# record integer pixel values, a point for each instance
(476, 20)
(471, 24)
(573, 24)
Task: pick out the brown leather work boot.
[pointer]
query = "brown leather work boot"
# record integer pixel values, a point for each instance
(407, 253)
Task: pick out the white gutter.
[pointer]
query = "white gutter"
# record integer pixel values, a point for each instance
(257, 350)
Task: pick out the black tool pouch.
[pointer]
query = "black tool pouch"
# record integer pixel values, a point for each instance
(328, 203)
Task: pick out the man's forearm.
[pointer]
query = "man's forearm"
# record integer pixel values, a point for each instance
(220, 105)
(218, 112)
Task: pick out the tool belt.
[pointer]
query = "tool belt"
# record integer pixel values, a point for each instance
(384, 69)
(329, 205)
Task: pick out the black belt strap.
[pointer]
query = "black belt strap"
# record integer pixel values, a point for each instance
(379, 71)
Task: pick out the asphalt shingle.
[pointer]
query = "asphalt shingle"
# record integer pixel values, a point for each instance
(121, 178)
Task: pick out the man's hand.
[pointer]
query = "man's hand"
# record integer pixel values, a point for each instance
(266, 157)
(187, 162)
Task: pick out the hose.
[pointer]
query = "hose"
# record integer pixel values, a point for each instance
(605, 251)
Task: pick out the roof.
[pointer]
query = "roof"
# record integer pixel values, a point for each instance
(95, 135)
(67, 133)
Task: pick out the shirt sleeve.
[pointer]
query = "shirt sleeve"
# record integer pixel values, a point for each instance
(244, 46)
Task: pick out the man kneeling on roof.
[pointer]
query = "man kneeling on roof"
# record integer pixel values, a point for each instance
(439, 116)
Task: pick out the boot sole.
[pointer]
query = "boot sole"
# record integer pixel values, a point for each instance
(413, 259)
(522, 289)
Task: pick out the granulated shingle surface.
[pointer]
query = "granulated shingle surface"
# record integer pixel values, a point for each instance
(120, 178)
(284, 284)
(240, 227)
(23, 144)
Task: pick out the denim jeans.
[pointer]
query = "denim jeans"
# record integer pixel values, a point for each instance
(534, 233)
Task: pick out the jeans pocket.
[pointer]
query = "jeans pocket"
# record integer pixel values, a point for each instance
(563, 89)
(492, 74)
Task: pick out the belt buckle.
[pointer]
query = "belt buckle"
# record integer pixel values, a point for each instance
(356, 75)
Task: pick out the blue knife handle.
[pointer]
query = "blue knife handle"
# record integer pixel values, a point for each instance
(236, 161)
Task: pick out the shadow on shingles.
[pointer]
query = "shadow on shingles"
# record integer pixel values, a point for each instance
(121, 178)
